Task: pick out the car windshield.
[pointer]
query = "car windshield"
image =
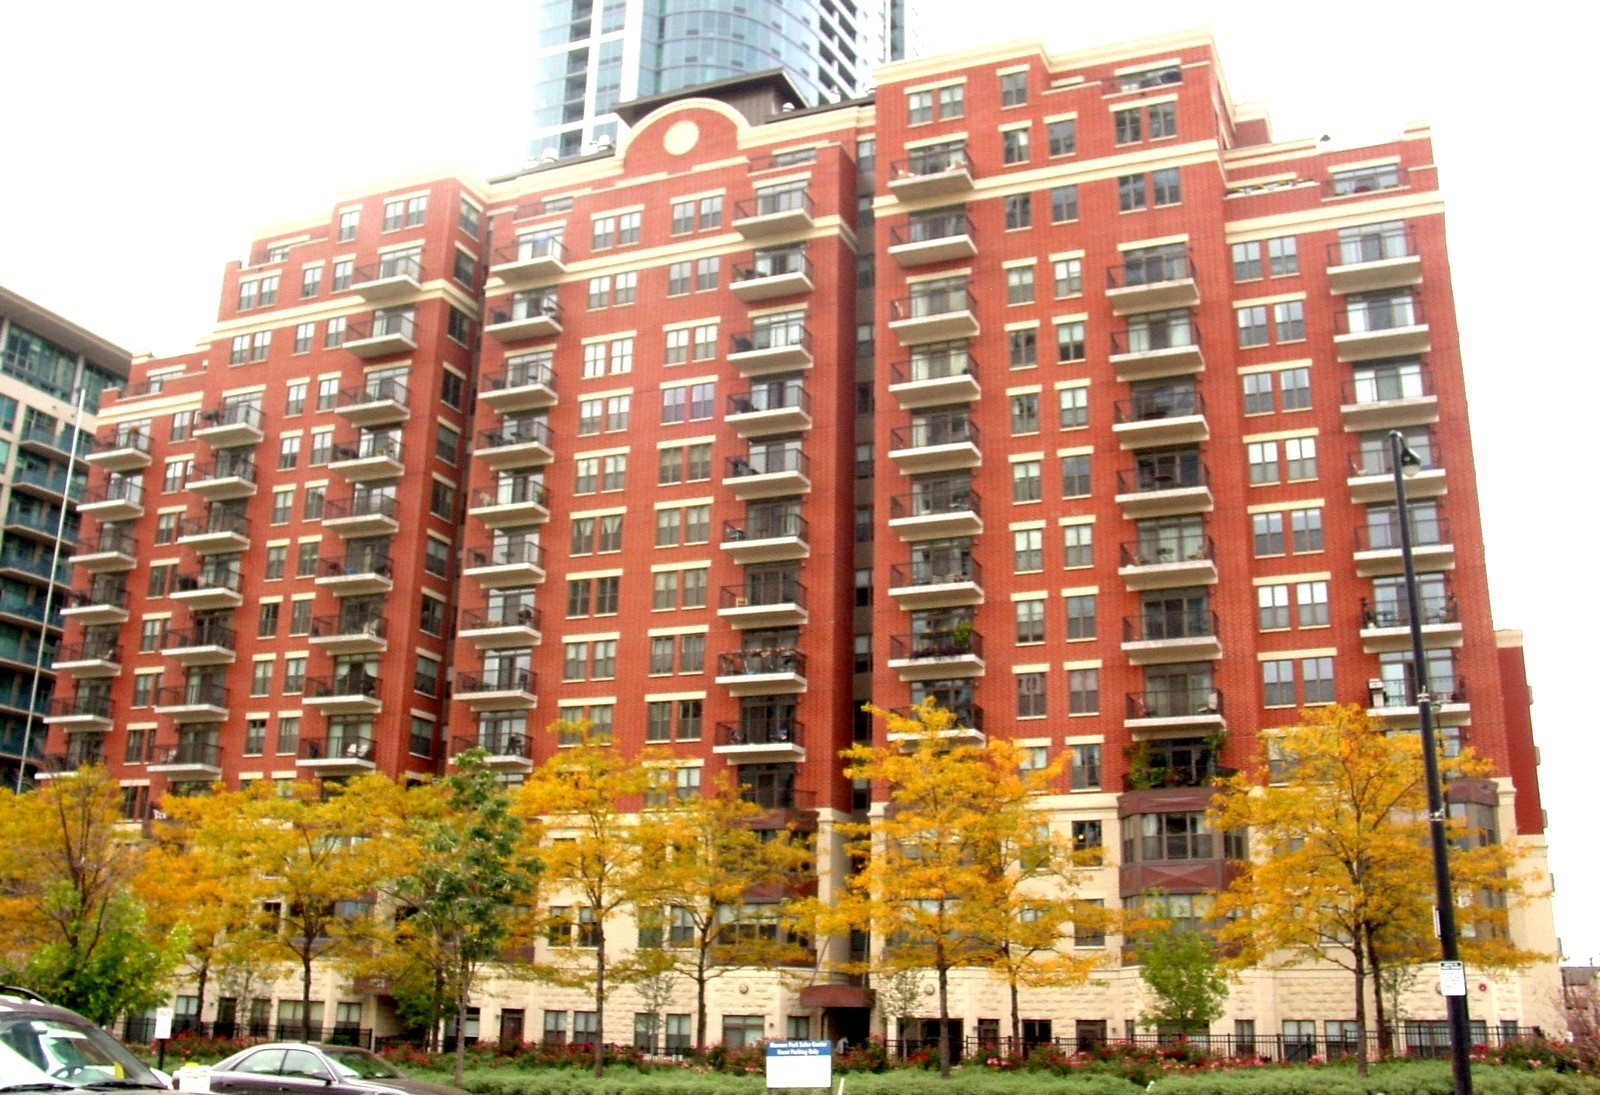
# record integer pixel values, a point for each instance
(62, 1052)
(362, 1065)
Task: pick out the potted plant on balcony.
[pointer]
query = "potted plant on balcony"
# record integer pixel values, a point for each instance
(961, 636)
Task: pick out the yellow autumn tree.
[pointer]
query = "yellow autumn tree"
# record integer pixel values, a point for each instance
(706, 864)
(960, 869)
(1339, 860)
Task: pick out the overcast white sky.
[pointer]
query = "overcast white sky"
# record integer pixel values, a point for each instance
(144, 142)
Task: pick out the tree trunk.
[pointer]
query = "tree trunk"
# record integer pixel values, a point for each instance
(700, 997)
(1376, 969)
(1359, 950)
(944, 1015)
(599, 997)
(200, 989)
(1016, 1017)
(461, 1027)
(435, 1039)
(305, 998)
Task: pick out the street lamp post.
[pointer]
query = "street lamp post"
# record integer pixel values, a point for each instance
(1405, 462)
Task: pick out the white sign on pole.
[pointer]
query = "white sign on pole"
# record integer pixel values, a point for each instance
(163, 1023)
(1452, 978)
(799, 1064)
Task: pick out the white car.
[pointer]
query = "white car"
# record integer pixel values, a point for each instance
(46, 1048)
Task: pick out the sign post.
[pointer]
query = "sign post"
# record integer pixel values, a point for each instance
(1452, 978)
(163, 1032)
(799, 1064)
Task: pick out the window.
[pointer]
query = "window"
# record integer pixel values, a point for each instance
(1316, 675)
(1307, 529)
(310, 281)
(431, 616)
(1283, 257)
(1252, 323)
(1277, 683)
(1063, 136)
(441, 499)
(166, 528)
(627, 288)
(300, 617)
(1019, 284)
(1311, 601)
(1027, 550)
(315, 498)
(1130, 192)
(1068, 278)
(332, 336)
(1083, 691)
(1019, 214)
(628, 228)
(1023, 347)
(1025, 479)
(1013, 88)
(678, 274)
(1272, 607)
(304, 333)
(1030, 695)
(1085, 770)
(1069, 340)
(1029, 621)
(919, 107)
(1014, 144)
(1074, 408)
(614, 472)
(952, 102)
(282, 505)
(349, 221)
(238, 349)
(306, 561)
(603, 232)
(1268, 530)
(294, 675)
(1075, 481)
(1128, 125)
(1163, 119)
(1081, 616)
(1247, 261)
(1263, 457)
(1063, 204)
(277, 560)
(1165, 187)
(288, 452)
(1300, 455)
(599, 291)
(261, 678)
(682, 217)
(1295, 385)
(1289, 321)
(707, 272)
(182, 421)
(1025, 413)
(1078, 541)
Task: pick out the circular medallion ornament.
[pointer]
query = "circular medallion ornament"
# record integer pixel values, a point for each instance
(681, 137)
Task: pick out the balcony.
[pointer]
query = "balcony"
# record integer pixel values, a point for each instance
(1156, 419)
(1371, 261)
(785, 808)
(774, 212)
(525, 444)
(763, 602)
(101, 603)
(507, 627)
(1378, 552)
(767, 538)
(936, 655)
(966, 730)
(931, 238)
(1151, 283)
(933, 172)
(364, 632)
(220, 531)
(1159, 636)
(934, 443)
(1371, 478)
(361, 575)
(382, 334)
(193, 759)
(83, 751)
(48, 482)
(1389, 400)
(18, 605)
(229, 426)
(120, 450)
(1369, 329)
(209, 643)
(1163, 708)
(507, 566)
(196, 701)
(506, 752)
(363, 513)
(81, 712)
(34, 522)
(935, 316)
(1151, 351)
(760, 742)
(1395, 703)
(523, 386)
(937, 583)
(225, 478)
(90, 658)
(211, 587)
(381, 401)
(767, 672)
(533, 260)
(935, 514)
(56, 444)
(343, 753)
(375, 457)
(348, 692)
(525, 316)
(934, 381)
(33, 566)
(393, 278)
(768, 409)
(109, 549)
(497, 690)
(768, 473)
(770, 276)
(762, 351)
(1168, 563)
(519, 500)
(1386, 625)
(119, 499)
(1162, 491)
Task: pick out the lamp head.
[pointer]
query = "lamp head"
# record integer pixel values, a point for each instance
(1410, 463)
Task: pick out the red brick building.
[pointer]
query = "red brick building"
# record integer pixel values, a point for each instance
(1050, 386)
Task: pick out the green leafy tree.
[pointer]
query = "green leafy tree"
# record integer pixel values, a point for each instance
(1185, 978)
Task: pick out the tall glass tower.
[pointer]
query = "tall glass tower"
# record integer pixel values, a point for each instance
(593, 54)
